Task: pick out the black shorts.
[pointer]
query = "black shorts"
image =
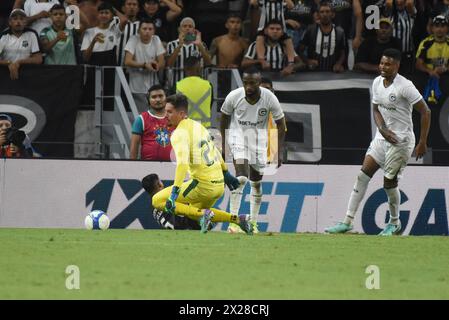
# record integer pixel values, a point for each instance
(173, 221)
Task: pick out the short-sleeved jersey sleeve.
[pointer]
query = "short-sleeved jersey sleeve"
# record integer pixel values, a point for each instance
(34, 43)
(159, 46)
(228, 106)
(138, 126)
(87, 39)
(375, 99)
(131, 45)
(275, 107)
(411, 94)
(2, 45)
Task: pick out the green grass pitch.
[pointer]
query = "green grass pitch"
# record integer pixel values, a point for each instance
(162, 264)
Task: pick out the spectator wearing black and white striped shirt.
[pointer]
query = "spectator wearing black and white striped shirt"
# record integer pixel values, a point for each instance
(323, 45)
(275, 57)
(188, 44)
(130, 9)
(273, 10)
(403, 15)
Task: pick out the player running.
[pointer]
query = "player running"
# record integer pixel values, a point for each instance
(394, 98)
(244, 123)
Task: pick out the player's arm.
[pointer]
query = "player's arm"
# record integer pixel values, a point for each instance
(134, 147)
(380, 122)
(424, 111)
(282, 128)
(225, 120)
(137, 131)
(181, 149)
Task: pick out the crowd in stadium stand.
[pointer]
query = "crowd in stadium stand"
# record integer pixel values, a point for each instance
(313, 34)
(154, 38)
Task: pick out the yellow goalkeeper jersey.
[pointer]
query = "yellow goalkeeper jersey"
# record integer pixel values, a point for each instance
(196, 153)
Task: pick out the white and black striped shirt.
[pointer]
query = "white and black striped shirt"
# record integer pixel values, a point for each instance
(271, 10)
(187, 50)
(402, 29)
(131, 29)
(274, 55)
(324, 47)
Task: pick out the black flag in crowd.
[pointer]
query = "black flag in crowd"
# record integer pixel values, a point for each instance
(43, 102)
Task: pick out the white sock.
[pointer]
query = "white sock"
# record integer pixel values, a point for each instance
(236, 196)
(356, 197)
(394, 199)
(255, 200)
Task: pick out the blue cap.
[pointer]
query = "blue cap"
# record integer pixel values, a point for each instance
(4, 116)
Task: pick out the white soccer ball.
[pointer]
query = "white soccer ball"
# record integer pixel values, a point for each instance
(97, 220)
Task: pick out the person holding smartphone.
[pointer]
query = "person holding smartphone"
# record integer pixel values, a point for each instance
(189, 43)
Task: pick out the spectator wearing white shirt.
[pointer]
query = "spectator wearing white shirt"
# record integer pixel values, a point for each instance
(100, 43)
(38, 12)
(144, 55)
(18, 45)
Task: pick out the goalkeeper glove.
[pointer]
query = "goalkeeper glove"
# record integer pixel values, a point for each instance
(231, 181)
(170, 205)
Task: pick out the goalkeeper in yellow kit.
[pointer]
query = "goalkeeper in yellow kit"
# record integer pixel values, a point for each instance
(196, 153)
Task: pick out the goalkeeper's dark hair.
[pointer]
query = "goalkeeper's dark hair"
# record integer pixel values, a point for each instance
(179, 101)
(149, 182)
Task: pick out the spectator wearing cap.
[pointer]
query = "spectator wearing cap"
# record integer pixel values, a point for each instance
(197, 90)
(16, 145)
(161, 15)
(38, 12)
(371, 50)
(99, 46)
(441, 8)
(432, 56)
(18, 44)
(189, 43)
(145, 58)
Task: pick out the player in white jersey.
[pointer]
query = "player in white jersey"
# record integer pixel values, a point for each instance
(394, 98)
(244, 126)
